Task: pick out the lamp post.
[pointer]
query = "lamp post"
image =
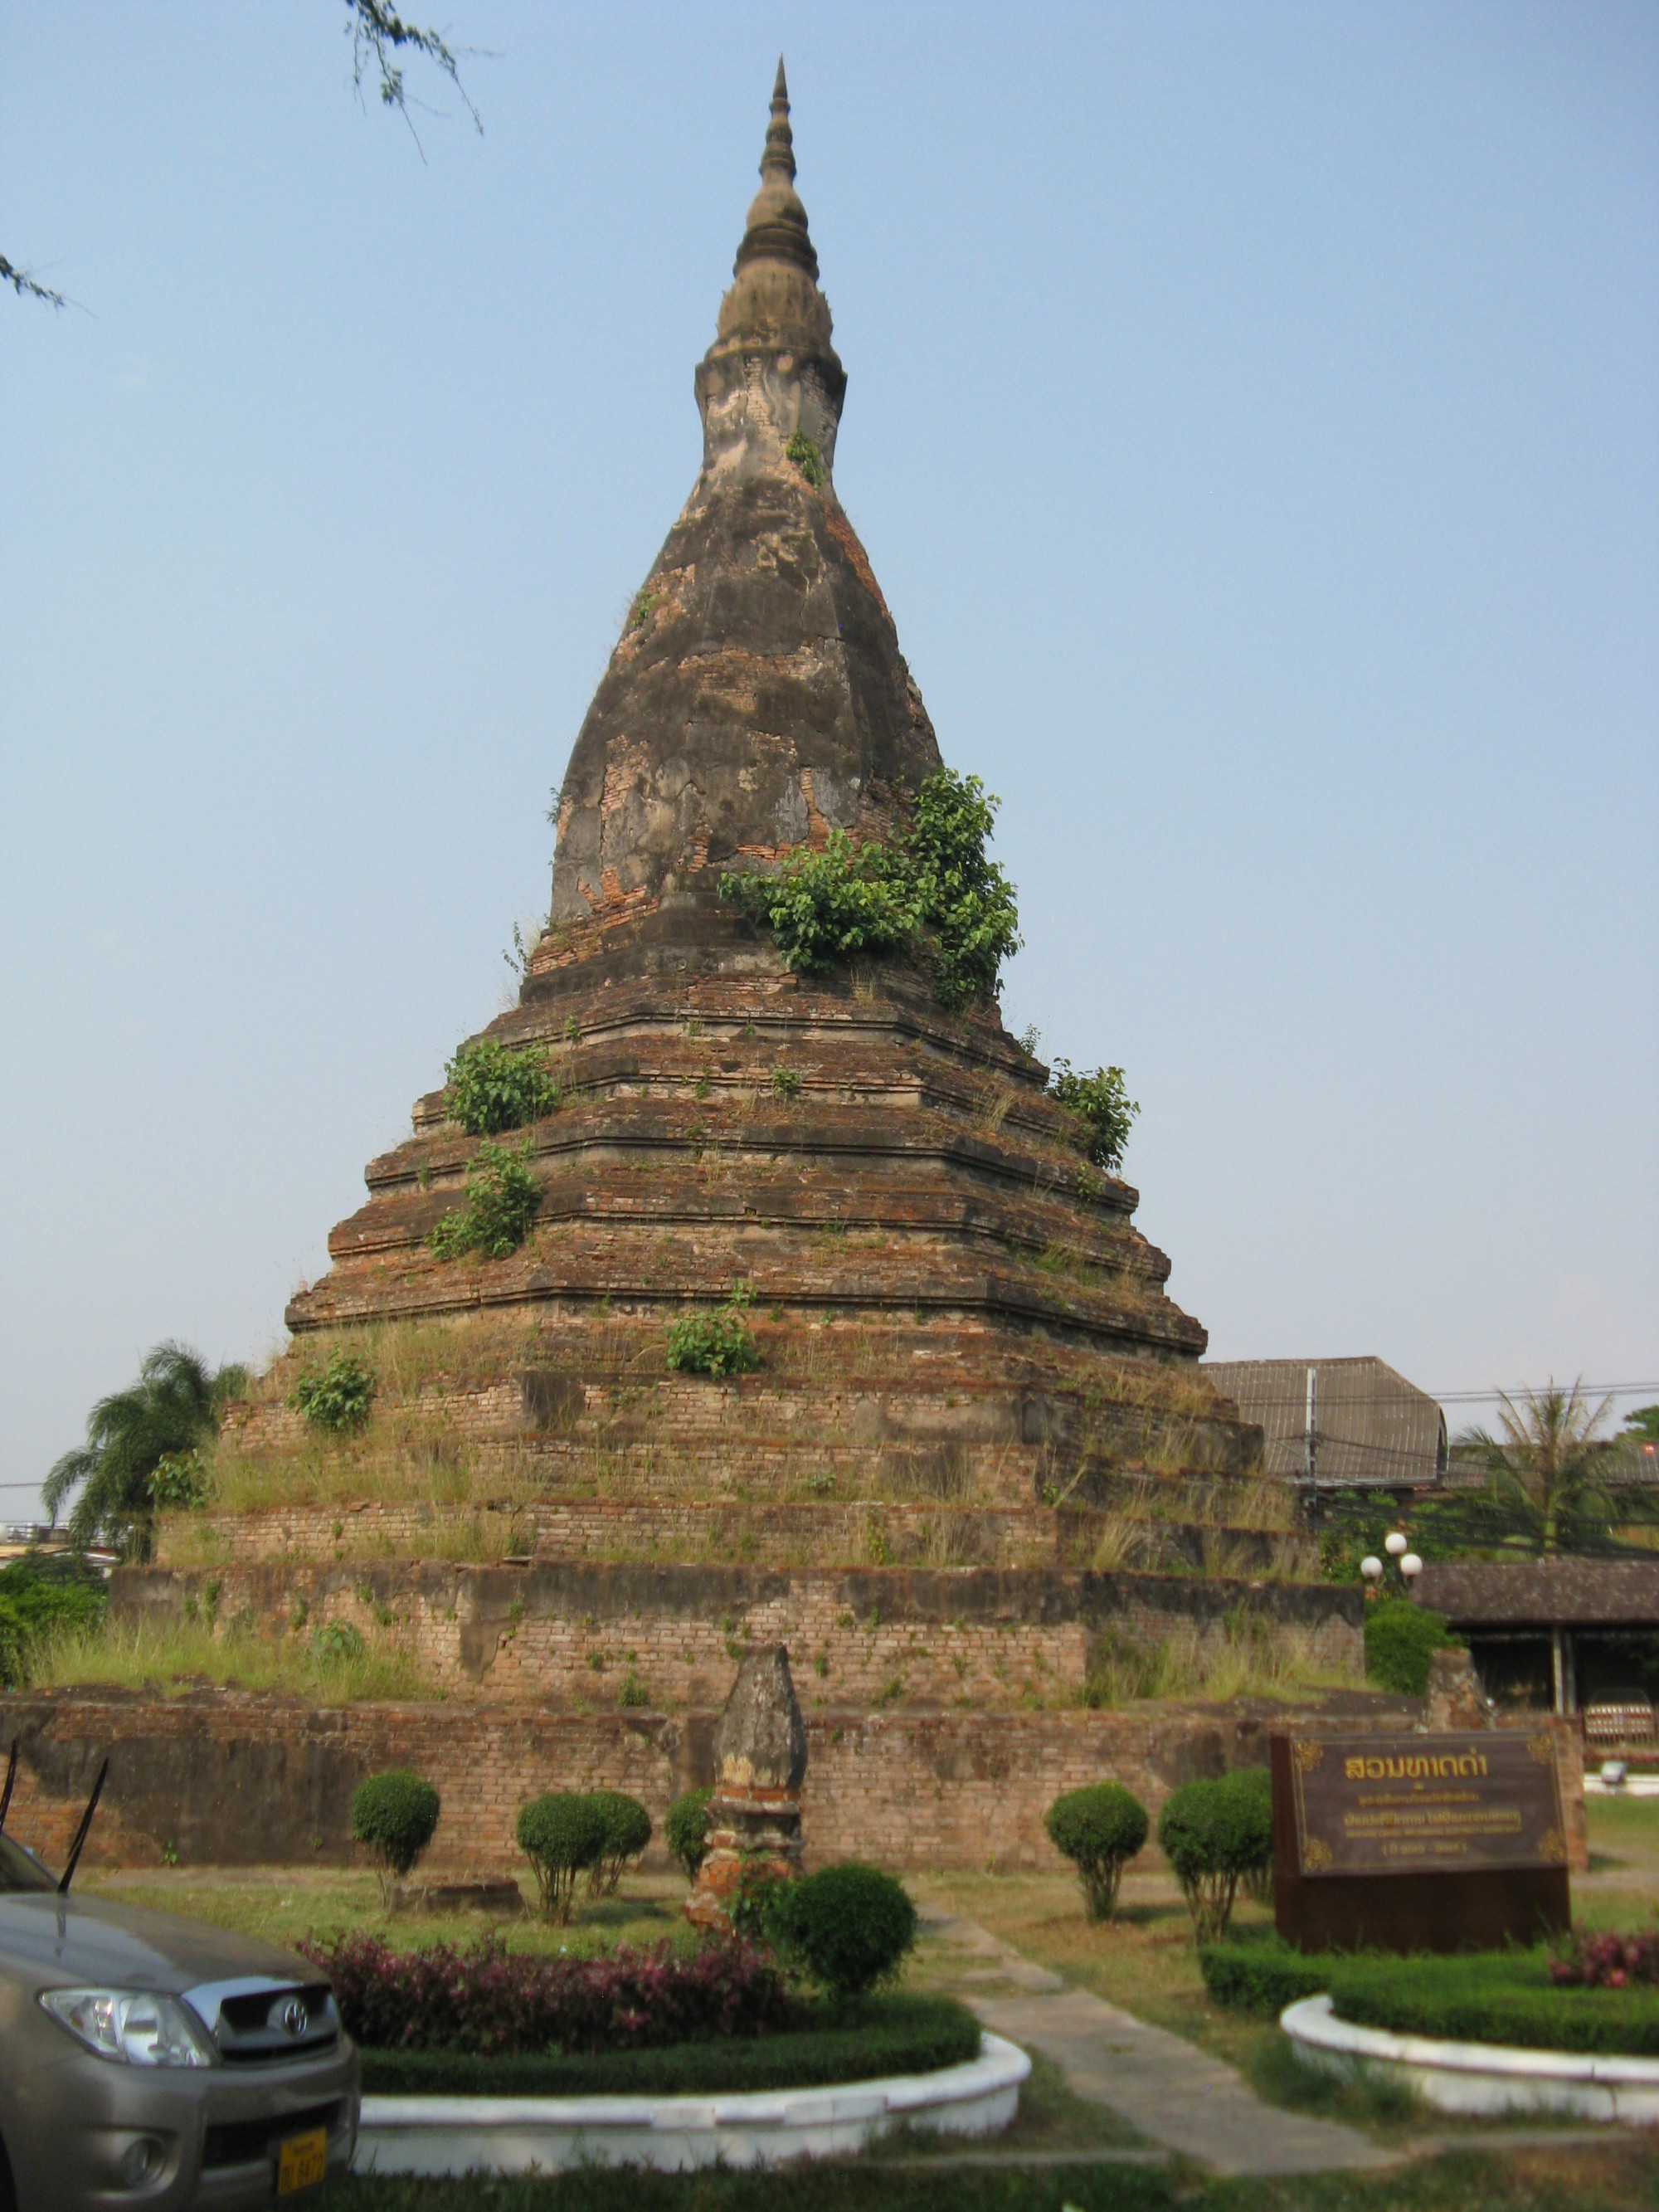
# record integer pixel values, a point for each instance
(1397, 1544)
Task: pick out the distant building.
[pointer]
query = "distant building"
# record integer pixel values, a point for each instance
(1573, 1634)
(1350, 1423)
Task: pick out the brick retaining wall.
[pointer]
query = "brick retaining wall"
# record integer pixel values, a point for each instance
(230, 1777)
(572, 1633)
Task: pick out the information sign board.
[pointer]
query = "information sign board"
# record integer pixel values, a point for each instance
(1419, 1842)
(1424, 1804)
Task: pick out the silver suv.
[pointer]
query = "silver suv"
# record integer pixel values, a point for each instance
(157, 2063)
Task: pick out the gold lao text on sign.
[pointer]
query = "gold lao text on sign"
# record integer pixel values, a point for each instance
(1403, 1805)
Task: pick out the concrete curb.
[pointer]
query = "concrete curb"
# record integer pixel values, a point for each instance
(1485, 2078)
(454, 2135)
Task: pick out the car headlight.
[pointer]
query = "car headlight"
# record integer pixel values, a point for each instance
(135, 2027)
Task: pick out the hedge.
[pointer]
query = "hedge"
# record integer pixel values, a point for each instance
(1261, 1978)
(1497, 1998)
(897, 2035)
(1502, 1996)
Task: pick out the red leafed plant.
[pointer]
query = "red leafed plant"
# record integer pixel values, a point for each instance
(1609, 1962)
(488, 1999)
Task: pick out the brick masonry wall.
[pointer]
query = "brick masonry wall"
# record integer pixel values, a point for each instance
(571, 1634)
(853, 1532)
(232, 1778)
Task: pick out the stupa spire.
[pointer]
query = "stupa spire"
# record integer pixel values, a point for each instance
(757, 698)
(774, 322)
(776, 229)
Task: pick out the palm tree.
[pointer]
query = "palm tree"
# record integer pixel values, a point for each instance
(1546, 1463)
(174, 1406)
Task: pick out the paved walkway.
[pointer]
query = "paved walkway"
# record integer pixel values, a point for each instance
(1168, 2091)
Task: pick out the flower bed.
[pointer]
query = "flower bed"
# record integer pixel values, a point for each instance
(483, 1999)
(1507, 1998)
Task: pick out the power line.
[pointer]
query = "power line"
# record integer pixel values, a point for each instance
(1535, 1389)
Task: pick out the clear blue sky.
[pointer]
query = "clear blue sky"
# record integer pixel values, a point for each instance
(1254, 422)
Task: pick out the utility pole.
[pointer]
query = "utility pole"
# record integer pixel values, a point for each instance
(1312, 1426)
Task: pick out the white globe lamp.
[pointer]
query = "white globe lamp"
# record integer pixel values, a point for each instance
(1394, 1543)
(1371, 1567)
(1411, 1566)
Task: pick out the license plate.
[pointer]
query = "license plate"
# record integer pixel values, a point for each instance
(302, 2161)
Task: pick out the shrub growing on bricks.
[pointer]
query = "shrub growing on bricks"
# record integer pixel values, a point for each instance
(1099, 1829)
(490, 1086)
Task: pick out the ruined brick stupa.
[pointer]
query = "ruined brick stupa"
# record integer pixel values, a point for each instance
(967, 1350)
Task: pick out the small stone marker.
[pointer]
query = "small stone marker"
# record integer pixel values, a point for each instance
(1419, 1842)
(760, 1763)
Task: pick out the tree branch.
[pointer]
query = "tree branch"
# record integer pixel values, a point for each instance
(26, 287)
(379, 36)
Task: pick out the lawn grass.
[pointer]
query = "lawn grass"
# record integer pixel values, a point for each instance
(1620, 2176)
(281, 1904)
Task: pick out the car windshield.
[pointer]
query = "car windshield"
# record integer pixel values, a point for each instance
(18, 1870)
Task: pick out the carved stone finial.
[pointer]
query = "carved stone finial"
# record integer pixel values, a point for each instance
(776, 229)
(760, 1763)
(761, 1740)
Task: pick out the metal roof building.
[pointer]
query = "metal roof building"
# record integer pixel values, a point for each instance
(1348, 1423)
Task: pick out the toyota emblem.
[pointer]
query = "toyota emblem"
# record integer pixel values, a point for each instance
(295, 2019)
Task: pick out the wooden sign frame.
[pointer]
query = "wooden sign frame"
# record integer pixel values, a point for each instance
(1477, 1909)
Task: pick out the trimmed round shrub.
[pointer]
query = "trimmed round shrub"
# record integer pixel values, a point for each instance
(1099, 1829)
(627, 1833)
(562, 1835)
(847, 1929)
(394, 1814)
(685, 1830)
(1258, 1784)
(1212, 1834)
(1400, 1638)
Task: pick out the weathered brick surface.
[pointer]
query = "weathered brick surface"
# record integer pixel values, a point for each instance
(861, 1532)
(224, 1777)
(565, 1632)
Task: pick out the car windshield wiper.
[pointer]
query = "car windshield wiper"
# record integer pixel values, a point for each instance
(80, 1833)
